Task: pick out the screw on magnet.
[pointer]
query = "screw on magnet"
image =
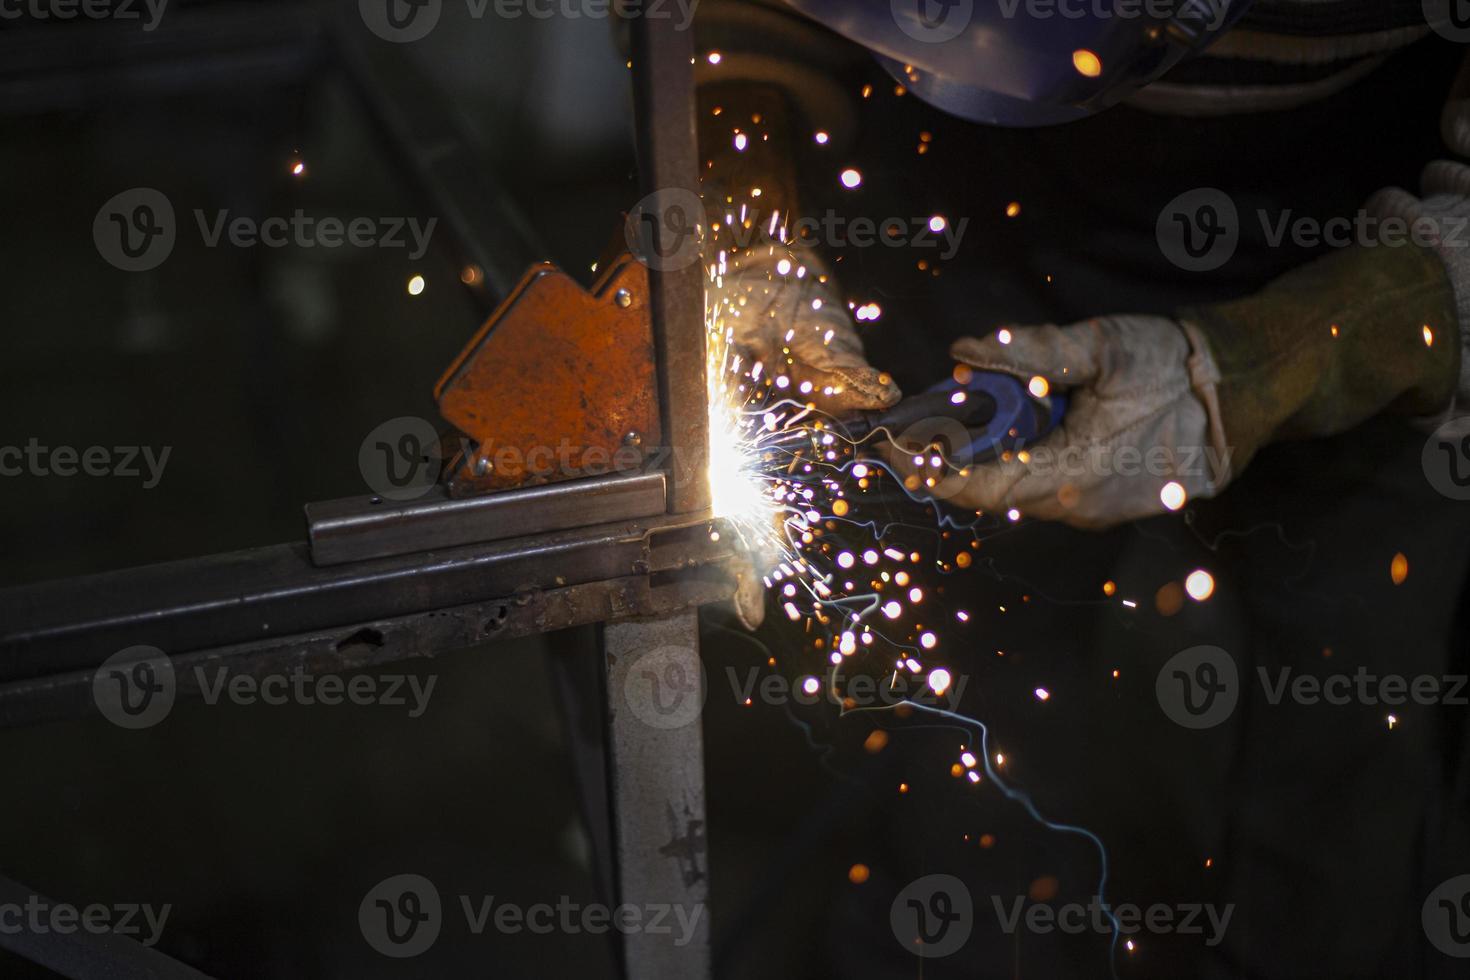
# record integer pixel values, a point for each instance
(482, 465)
(623, 298)
(632, 439)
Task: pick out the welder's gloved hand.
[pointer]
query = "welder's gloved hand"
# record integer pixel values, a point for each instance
(1137, 421)
(1190, 400)
(783, 309)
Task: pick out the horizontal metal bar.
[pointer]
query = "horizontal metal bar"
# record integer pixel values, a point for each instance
(251, 596)
(358, 528)
(357, 646)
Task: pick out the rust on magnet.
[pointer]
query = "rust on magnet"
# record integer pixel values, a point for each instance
(559, 383)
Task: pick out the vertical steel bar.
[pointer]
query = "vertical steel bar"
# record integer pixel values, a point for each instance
(655, 694)
(668, 164)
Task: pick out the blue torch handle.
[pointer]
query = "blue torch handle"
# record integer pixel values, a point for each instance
(1020, 418)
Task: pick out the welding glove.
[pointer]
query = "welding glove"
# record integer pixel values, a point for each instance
(782, 308)
(1156, 401)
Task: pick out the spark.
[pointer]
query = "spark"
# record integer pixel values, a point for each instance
(1200, 585)
(1087, 64)
(416, 286)
(851, 178)
(1172, 496)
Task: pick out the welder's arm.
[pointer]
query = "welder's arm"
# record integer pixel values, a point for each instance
(1189, 400)
(779, 301)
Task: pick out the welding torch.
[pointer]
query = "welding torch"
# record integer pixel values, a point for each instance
(985, 415)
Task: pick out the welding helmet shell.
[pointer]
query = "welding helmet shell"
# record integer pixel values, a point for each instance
(1026, 62)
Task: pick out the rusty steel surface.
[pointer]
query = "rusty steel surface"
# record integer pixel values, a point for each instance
(559, 383)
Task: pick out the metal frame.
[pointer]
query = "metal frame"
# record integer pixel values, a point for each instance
(379, 583)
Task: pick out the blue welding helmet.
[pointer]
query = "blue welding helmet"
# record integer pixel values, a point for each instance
(1026, 62)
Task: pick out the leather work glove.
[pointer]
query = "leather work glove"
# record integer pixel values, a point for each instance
(1135, 421)
(1156, 401)
(795, 323)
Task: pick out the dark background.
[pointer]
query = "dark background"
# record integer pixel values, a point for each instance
(263, 369)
